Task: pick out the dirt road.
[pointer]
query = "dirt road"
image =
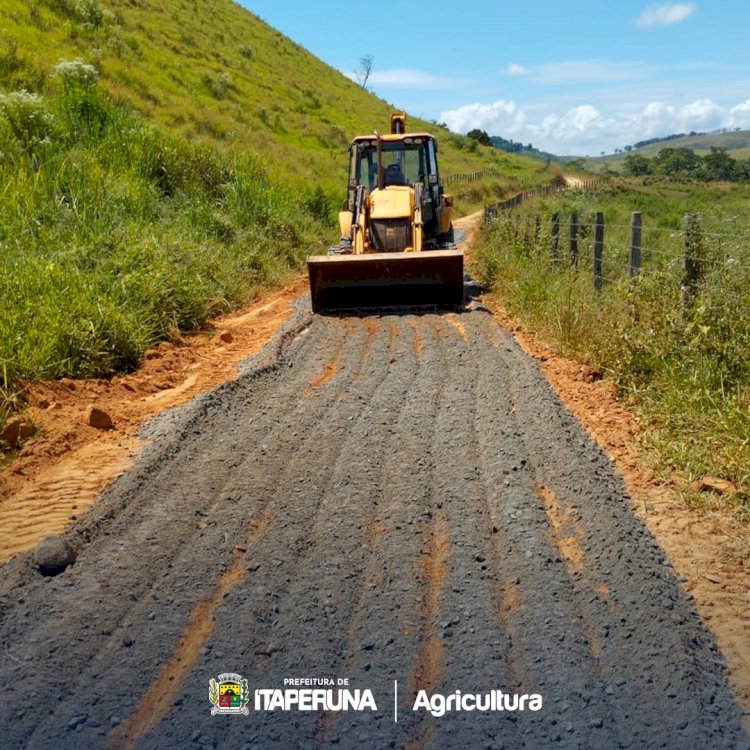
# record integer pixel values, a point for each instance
(393, 498)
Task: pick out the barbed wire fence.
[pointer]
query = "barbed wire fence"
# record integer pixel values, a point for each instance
(485, 174)
(494, 210)
(614, 254)
(661, 302)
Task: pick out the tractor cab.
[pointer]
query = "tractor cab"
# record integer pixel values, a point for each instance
(402, 161)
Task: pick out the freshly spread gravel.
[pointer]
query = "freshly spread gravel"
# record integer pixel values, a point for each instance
(378, 498)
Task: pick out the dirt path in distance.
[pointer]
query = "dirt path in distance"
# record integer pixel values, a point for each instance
(574, 182)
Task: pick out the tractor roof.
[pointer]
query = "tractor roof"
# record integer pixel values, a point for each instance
(391, 137)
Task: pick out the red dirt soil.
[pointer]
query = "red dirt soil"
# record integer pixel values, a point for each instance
(60, 471)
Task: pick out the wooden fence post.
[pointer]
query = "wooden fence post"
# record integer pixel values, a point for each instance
(598, 250)
(574, 239)
(526, 235)
(694, 257)
(634, 261)
(555, 235)
(537, 229)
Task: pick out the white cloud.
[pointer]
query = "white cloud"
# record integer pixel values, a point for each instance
(579, 124)
(583, 129)
(740, 115)
(588, 71)
(665, 15)
(498, 118)
(405, 78)
(514, 69)
(703, 114)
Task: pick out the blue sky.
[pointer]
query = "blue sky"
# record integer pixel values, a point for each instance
(571, 77)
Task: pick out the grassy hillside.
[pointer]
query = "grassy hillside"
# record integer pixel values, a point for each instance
(513, 147)
(209, 70)
(161, 162)
(737, 145)
(113, 234)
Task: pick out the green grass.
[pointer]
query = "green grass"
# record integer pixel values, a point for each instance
(685, 368)
(192, 157)
(114, 234)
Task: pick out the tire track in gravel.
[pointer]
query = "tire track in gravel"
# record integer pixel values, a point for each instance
(470, 637)
(392, 614)
(378, 498)
(638, 628)
(164, 689)
(290, 549)
(377, 649)
(583, 694)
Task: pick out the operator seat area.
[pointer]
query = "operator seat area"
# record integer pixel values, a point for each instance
(394, 175)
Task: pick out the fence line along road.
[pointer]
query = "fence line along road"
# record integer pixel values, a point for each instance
(694, 264)
(493, 210)
(471, 176)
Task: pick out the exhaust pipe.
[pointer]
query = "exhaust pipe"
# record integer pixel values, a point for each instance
(381, 171)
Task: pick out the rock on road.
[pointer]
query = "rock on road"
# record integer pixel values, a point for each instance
(381, 498)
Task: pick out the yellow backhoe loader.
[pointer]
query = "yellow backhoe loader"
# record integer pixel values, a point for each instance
(396, 246)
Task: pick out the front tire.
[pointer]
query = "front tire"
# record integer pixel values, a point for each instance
(344, 247)
(447, 241)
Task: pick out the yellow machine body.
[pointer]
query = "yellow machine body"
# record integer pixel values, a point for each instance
(396, 244)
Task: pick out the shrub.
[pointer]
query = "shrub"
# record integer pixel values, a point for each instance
(10, 61)
(30, 122)
(85, 112)
(338, 135)
(86, 12)
(76, 74)
(218, 85)
(318, 204)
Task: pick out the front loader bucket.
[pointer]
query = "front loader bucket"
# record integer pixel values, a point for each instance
(432, 277)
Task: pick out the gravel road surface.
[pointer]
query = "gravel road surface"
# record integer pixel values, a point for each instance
(386, 498)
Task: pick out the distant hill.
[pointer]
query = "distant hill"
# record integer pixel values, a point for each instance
(737, 144)
(512, 147)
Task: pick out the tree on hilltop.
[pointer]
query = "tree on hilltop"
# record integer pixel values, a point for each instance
(480, 136)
